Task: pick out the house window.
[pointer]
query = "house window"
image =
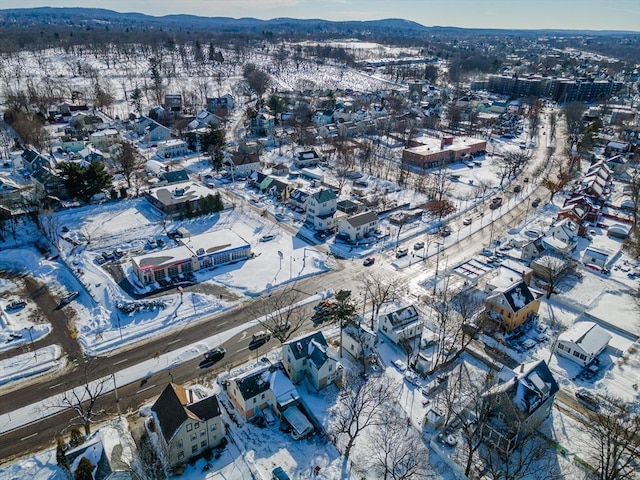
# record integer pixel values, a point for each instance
(203, 433)
(254, 399)
(214, 427)
(576, 354)
(197, 425)
(501, 416)
(180, 455)
(203, 444)
(189, 427)
(330, 367)
(180, 443)
(262, 396)
(194, 448)
(194, 437)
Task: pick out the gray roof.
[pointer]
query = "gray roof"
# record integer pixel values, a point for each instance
(300, 347)
(518, 296)
(362, 219)
(324, 196)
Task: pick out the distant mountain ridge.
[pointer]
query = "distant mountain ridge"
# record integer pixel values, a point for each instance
(95, 17)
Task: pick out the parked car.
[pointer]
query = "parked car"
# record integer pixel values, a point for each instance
(15, 305)
(402, 252)
(536, 202)
(418, 246)
(368, 261)
(496, 202)
(267, 238)
(588, 399)
(445, 231)
(279, 474)
(528, 344)
(69, 297)
(467, 221)
(517, 188)
(208, 181)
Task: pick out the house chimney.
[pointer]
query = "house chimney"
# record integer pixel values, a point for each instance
(522, 368)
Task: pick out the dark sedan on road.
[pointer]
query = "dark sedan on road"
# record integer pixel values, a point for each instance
(212, 356)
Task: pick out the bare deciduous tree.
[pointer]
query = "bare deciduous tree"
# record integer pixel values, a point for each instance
(614, 437)
(280, 315)
(379, 290)
(397, 451)
(359, 406)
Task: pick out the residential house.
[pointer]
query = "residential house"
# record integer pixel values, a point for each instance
(358, 340)
(104, 138)
(280, 170)
(33, 161)
(48, 182)
(321, 208)
(359, 226)
(513, 305)
(308, 158)
(173, 102)
(174, 176)
(520, 401)
(298, 200)
(594, 256)
(400, 323)
(310, 358)
(348, 206)
(172, 148)
(105, 452)
(583, 342)
(12, 195)
(189, 423)
(323, 117)
(263, 124)
(581, 209)
(155, 133)
(347, 129)
(561, 239)
(240, 165)
(253, 391)
(204, 119)
(71, 144)
(214, 104)
(91, 154)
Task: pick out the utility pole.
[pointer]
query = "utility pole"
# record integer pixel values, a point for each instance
(35, 353)
(115, 391)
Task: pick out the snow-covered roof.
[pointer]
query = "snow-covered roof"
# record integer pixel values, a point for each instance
(589, 336)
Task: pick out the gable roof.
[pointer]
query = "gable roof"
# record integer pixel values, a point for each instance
(399, 317)
(176, 176)
(589, 336)
(253, 383)
(324, 196)
(518, 296)
(173, 407)
(362, 219)
(300, 347)
(245, 158)
(527, 387)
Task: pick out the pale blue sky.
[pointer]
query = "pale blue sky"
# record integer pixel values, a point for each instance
(520, 14)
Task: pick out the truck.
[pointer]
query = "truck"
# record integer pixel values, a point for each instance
(300, 423)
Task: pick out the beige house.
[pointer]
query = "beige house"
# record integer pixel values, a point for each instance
(310, 358)
(511, 306)
(188, 423)
(253, 391)
(359, 226)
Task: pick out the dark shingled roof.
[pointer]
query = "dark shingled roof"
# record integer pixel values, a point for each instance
(519, 296)
(300, 347)
(172, 409)
(254, 384)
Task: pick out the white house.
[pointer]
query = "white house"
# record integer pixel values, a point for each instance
(321, 209)
(307, 158)
(583, 343)
(398, 323)
(358, 340)
(310, 358)
(104, 138)
(255, 390)
(358, 226)
(240, 165)
(172, 148)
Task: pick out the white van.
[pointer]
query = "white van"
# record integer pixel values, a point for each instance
(260, 336)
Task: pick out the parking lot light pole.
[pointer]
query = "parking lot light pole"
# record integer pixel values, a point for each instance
(35, 353)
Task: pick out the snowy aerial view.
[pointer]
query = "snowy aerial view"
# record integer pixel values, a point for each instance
(353, 248)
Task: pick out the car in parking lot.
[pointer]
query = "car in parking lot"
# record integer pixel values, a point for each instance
(418, 245)
(528, 344)
(402, 252)
(69, 297)
(267, 238)
(368, 261)
(467, 221)
(15, 305)
(279, 474)
(208, 180)
(445, 231)
(536, 202)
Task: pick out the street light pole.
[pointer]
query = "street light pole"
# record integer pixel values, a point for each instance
(435, 281)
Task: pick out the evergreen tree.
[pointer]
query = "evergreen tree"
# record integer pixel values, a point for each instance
(84, 470)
